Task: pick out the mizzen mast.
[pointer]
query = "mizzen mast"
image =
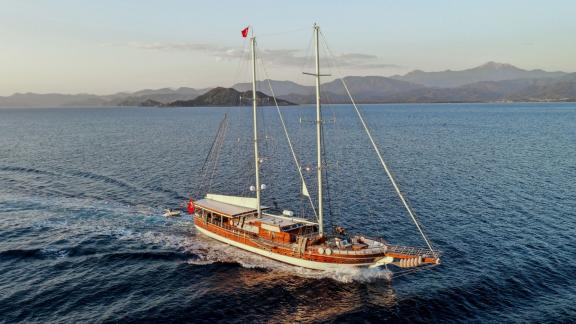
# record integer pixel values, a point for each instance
(319, 168)
(254, 115)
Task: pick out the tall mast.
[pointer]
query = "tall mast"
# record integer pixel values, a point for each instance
(318, 133)
(256, 158)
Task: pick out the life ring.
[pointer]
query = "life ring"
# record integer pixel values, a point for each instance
(328, 251)
(321, 250)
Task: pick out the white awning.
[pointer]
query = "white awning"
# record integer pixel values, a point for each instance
(222, 208)
(248, 202)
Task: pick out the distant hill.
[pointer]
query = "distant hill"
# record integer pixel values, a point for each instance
(366, 88)
(162, 96)
(50, 100)
(550, 91)
(369, 86)
(546, 89)
(227, 97)
(486, 83)
(136, 102)
(281, 88)
(325, 97)
(363, 86)
(490, 71)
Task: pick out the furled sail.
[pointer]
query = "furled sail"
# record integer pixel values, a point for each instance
(305, 190)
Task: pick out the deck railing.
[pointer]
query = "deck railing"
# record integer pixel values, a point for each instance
(406, 250)
(413, 251)
(235, 230)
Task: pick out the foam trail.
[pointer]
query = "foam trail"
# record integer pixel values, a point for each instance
(145, 224)
(209, 251)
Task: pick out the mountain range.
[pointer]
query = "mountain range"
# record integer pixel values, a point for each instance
(486, 83)
(490, 71)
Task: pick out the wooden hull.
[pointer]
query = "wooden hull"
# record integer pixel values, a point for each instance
(307, 259)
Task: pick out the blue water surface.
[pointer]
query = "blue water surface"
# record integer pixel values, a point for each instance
(82, 237)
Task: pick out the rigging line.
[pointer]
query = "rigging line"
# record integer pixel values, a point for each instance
(216, 144)
(384, 165)
(213, 143)
(307, 62)
(287, 136)
(218, 149)
(328, 196)
(241, 66)
(392, 180)
(305, 65)
(324, 160)
(295, 158)
(364, 194)
(210, 153)
(264, 127)
(242, 63)
(238, 159)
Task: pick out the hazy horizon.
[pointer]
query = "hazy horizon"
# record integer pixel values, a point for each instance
(108, 47)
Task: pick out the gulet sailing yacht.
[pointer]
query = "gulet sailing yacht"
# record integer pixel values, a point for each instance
(244, 223)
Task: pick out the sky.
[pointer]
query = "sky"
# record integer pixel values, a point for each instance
(108, 46)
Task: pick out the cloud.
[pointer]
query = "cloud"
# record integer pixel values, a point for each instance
(363, 61)
(278, 57)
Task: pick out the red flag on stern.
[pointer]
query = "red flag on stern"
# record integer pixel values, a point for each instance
(190, 207)
(245, 32)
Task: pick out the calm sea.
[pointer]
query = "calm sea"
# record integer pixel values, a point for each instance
(83, 239)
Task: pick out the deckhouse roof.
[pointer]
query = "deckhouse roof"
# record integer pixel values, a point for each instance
(223, 208)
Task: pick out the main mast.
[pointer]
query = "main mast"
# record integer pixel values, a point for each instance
(254, 115)
(318, 133)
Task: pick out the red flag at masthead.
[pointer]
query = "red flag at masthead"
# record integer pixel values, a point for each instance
(245, 32)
